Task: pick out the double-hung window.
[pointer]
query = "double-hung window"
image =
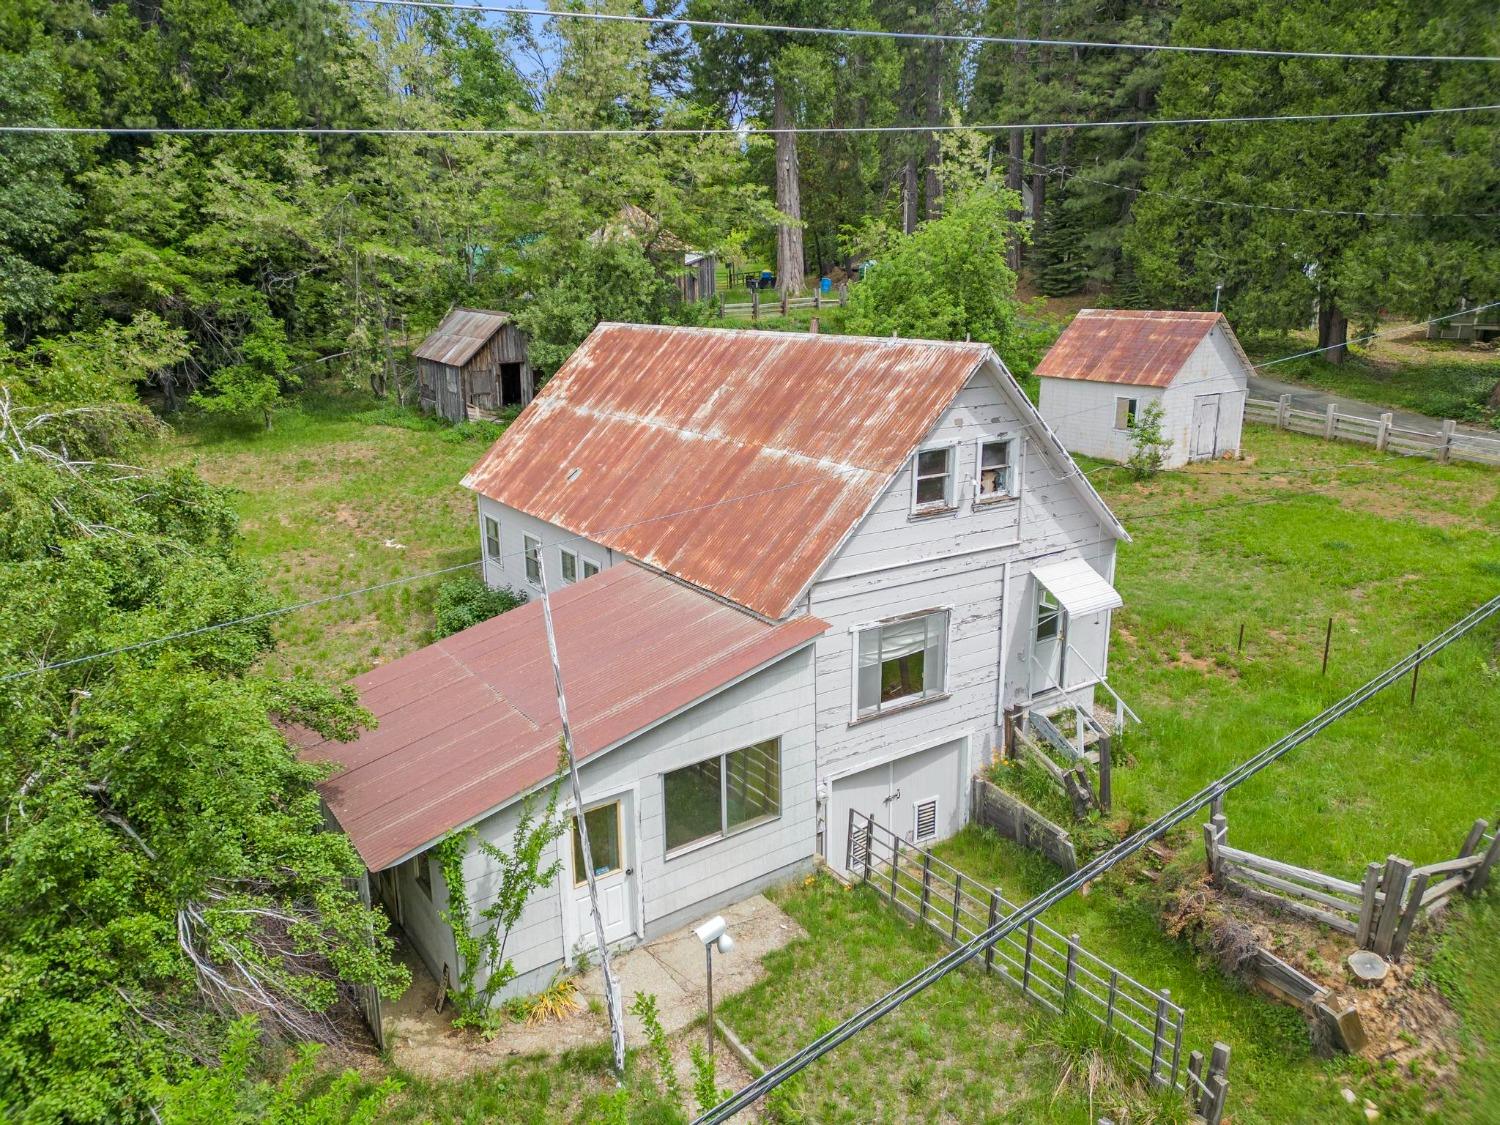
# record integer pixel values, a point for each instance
(492, 538)
(997, 469)
(1125, 409)
(932, 480)
(569, 568)
(590, 568)
(532, 547)
(901, 661)
(722, 795)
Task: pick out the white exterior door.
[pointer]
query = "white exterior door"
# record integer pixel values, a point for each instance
(1048, 636)
(1204, 442)
(919, 798)
(614, 873)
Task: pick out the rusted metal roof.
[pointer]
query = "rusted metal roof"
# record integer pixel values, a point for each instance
(736, 460)
(462, 333)
(469, 723)
(1145, 348)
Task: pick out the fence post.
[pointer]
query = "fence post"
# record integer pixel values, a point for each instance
(1445, 451)
(1109, 1008)
(843, 293)
(1177, 1045)
(783, 301)
(1106, 790)
(1195, 1079)
(895, 864)
(1383, 434)
(755, 304)
(1212, 1108)
(926, 882)
(1471, 841)
(849, 845)
(1330, 421)
(869, 842)
(1156, 1037)
(1368, 889)
(1026, 959)
(1409, 916)
(958, 882)
(1327, 643)
(1397, 872)
(1481, 874)
(989, 950)
(1070, 973)
(1283, 411)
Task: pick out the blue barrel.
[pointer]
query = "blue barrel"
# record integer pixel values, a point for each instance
(825, 284)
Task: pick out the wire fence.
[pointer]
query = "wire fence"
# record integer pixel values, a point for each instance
(1050, 968)
(1448, 443)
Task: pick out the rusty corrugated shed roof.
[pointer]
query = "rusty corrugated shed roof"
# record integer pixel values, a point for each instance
(462, 333)
(470, 722)
(1141, 347)
(646, 431)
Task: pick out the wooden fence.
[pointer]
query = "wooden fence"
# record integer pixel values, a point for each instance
(1014, 819)
(1073, 776)
(1379, 911)
(1049, 968)
(1449, 443)
(772, 305)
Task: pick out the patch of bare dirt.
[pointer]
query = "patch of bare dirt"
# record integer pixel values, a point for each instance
(1207, 665)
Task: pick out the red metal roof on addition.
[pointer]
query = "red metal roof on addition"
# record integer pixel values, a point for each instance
(736, 460)
(1142, 347)
(462, 333)
(470, 722)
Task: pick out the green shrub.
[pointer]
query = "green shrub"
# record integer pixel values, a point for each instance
(465, 601)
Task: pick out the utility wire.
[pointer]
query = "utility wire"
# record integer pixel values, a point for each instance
(698, 131)
(1061, 171)
(915, 36)
(776, 1075)
(1378, 335)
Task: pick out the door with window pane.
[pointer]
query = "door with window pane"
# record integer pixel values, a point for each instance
(1048, 635)
(614, 872)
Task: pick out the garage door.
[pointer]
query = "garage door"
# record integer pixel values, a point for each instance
(919, 797)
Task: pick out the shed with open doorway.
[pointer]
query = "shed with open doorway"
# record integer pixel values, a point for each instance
(473, 365)
(1110, 365)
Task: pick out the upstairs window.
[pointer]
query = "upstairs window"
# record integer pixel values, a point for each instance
(1125, 413)
(590, 568)
(901, 661)
(492, 538)
(532, 547)
(932, 480)
(569, 568)
(997, 470)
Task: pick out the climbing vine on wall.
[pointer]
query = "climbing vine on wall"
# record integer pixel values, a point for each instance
(520, 872)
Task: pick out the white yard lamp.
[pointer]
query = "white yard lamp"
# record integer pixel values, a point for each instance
(712, 933)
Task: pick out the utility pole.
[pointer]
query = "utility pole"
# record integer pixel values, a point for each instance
(611, 986)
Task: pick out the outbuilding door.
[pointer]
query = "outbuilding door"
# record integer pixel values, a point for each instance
(613, 850)
(1205, 437)
(919, 797)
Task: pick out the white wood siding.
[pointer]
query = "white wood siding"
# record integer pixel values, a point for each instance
(1082, 414)
(1213, 369)
(774, 702)
(510, 569)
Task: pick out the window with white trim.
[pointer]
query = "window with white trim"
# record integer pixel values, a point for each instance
(900, 661)
(569, 568)
(590, 568)
(932, 480)
(532, 548)
(925, 817)
(722, 795)
(1125, 410)
(996, 476)
(492, 538)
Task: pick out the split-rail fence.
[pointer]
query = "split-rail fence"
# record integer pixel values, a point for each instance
(1449, 443)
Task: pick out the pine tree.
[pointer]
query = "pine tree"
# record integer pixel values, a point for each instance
(1061, 261)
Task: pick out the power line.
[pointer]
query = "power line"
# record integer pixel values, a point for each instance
(770, 1079)
(1061, 170)
(916, 36)
(698, 131)
(1378, 335)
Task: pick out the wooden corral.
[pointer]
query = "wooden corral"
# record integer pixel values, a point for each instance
(474, 365)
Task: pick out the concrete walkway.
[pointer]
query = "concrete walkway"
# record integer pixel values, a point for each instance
(671, 968)
(1311, 398)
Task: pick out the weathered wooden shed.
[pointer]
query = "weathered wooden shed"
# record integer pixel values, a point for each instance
(473, 365)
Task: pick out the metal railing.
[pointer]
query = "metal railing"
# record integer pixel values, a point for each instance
(1050, 968)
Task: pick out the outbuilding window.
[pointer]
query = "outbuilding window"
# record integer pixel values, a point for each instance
(901, 661)
(532, 547)
(722, 795)
(1125, 413)
(932, 480)
(996, 478)
(492, 538)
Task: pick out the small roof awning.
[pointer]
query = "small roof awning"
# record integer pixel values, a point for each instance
(1078, 587)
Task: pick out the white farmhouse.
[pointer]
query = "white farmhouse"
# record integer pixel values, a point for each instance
(1109, 364)
(796, 579)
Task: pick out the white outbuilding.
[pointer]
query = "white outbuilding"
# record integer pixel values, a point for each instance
(1109, 364)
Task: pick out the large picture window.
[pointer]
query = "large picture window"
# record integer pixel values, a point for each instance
(722, 795)
(901, 661)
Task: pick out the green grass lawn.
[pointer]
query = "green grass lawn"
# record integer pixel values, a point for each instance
(335, 498)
